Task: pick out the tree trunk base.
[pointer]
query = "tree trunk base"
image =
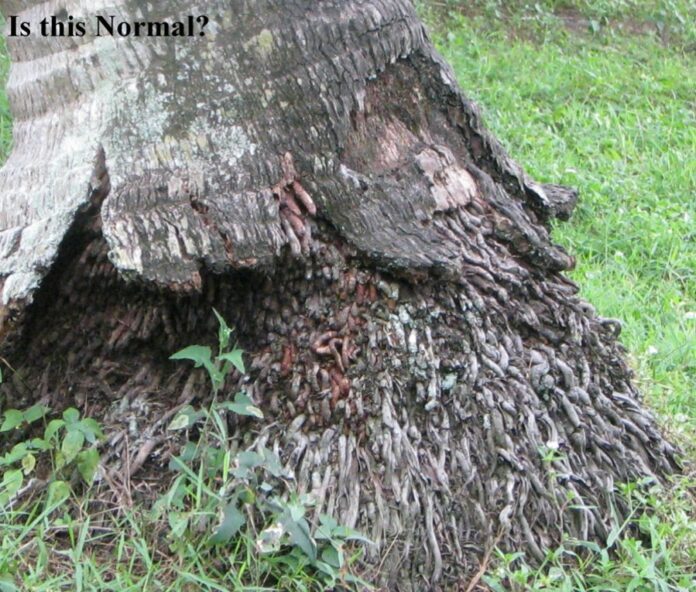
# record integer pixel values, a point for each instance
(313, 171)
(437, 418)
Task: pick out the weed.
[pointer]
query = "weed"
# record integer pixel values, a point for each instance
(654, 549)
(224, 497)
(230, 520)
(69, 442)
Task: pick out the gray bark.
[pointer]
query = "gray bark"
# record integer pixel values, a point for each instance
(191, 125)
(313, 170)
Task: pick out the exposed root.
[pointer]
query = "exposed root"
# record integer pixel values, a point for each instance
(423, 418)
(295, 205)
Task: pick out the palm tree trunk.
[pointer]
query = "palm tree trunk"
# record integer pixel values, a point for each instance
(312, 169)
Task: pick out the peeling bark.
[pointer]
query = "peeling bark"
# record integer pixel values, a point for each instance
(312, 170)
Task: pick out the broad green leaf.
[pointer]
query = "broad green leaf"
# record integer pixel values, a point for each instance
(39, 444)
(52, 428)
(224, 332)
(189, 452)
(215, 460)
(242, 405)
(301, 537)
(235, 358)
(249, 459)
(7, 584)
(58, 492)
(13, 419)
(247, 496)
(176, 494)
(180, 422)
(266, 487)
(176, 464)
(328, 523)
(18, 452)
(328, 570)
(295, 562)
(271, 462)
(296, 511)
(91, 429)
(245, 463)
(201, 356)
(59, 459)
(87, 463)
(186, 418)
(35, 412)
(12, 481)
(28, 464)
(333, 556)
(348, 534)
(231, 521)
(71, 416)
(72, 444)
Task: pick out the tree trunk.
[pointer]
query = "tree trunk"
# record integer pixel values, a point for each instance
(312, 170)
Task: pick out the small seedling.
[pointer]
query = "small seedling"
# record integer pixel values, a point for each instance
(225, 497)
(69, 442)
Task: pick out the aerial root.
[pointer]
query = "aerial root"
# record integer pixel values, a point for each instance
(296, 205)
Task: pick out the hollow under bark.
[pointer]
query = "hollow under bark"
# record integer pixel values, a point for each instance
(312, 170)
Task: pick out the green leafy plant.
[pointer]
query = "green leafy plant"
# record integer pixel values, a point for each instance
(221, 365)
(70, 442)
(225, 497)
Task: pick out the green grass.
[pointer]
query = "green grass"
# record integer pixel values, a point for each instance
(614, 116)
(672, 20)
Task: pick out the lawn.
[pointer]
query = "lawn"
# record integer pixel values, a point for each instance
(614, 115)
(594, 94)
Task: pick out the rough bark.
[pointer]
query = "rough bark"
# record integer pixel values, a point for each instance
(313, 170)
